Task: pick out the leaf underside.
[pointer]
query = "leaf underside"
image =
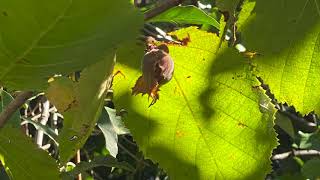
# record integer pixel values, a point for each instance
(111, 126)
(187, 15)
(40, 39)
(84, 111)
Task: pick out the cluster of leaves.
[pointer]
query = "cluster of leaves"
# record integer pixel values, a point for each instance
(214, 119)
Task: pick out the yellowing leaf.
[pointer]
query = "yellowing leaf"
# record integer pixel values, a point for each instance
(61, 93)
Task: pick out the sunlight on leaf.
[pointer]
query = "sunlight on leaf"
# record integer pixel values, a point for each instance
(210, 120)
(289, 44)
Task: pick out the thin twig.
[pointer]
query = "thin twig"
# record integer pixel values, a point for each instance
(78, 160)
(46, 146)
(163, 6)
(128, 141)
(55, 121)
(35, 117)
(45, 113)
(25, 127)
(13, 106)
(32, 111)
(296, 153)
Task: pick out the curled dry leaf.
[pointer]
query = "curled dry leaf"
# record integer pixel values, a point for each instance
(157, 69)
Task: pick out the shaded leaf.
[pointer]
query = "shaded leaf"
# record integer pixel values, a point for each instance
(62, 93)
(46, 129)
(186, 15)
(111, 126)
(310, 140)
(285, 123)
(210, 121)
(83, 113)
(296, 176)
(58, 37)
(6, 98)
(228, 5)
(21, 158)
(311, 169)
(3, 174)
(96, 162)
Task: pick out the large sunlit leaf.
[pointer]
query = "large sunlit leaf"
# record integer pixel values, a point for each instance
(21, 158)
(211, 121)
(83, 112)
(187, 15)
(289, 44)
(41, 38)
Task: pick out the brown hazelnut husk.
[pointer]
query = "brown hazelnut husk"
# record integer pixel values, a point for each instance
(157, 69)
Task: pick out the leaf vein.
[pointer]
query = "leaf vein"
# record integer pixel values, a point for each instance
(37, 40)
(308, 74)
(194, 118)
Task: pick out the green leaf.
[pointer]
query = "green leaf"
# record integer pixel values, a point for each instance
(39, 39)
(228, 5)
(311, 169)
(61, 93)
(210, 121)
(246, 9)
(3, 174)
(288, 40)
(295, 176)
(285, 123)
(96, 162)
(6, 98)
(186, 15)
(21, 158)
(84, 111)
(310, 140)
(111, 126)
(46, 129)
